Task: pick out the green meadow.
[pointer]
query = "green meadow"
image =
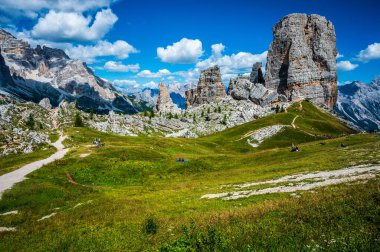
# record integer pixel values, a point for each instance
(132, 195)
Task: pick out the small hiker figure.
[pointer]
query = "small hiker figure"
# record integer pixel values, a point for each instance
(97, 142)
(294, 148)
(181, 160)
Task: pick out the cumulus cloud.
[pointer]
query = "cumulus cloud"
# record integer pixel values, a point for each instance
(339, 56)
(185, 51)
(72, 26)
(119, 49)
(346, 65)
(148, 74)
(33, 8)
(125, 83)
(370, 53)
(233, 64)
(217, 49)
(117, 66)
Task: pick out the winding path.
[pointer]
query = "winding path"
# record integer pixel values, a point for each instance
(11, 178)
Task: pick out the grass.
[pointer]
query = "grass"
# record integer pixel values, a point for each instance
(12, 162)
(135, 197)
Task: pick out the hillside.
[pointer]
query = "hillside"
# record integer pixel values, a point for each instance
(131, 194)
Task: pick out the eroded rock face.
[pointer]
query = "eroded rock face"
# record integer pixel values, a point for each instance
(301, 61)
(210, 88)
(164, 101)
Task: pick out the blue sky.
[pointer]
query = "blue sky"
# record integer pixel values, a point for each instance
(136, 43)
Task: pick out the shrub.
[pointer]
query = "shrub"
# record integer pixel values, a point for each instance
(150, 225)
(78, 120)
(30, 122)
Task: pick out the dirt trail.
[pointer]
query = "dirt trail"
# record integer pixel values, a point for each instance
(9, 179)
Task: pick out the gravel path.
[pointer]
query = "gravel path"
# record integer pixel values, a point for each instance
(9, 179)
(300, 182)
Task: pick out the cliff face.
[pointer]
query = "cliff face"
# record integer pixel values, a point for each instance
(210, 88)
(301, 61)
(44, 72)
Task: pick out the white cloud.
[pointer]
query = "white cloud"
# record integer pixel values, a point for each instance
(149, 74)
(125, 83)
(119, 49)
(346, 65)
(339, 56)
(72, 26)
(32, 8)
(185, 51)
(370, 53)
(217, 49)
(231, 65)
(344, 83)
(117, 66)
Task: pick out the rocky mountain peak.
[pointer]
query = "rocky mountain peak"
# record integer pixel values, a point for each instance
(301, 61)
(164, 101)
(210, 88)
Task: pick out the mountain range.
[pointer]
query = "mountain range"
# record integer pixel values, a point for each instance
(360, 104)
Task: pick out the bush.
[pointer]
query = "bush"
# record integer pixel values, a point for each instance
(78, 120)
(30, 122)
(150, 225)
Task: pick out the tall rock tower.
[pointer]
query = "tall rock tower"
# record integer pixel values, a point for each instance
(301, 61)
(210, 88)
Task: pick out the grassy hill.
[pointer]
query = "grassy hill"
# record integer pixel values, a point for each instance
(131, 195)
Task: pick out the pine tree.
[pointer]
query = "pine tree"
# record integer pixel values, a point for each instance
(151, 114)
(225, 119)
(202, 114)
(194, 119)
(78, 120)
(145, 113)
(92, 113)
(282, 109)
(176, 116)
(277, 109)
(208, 111)
(30, 122)
(170, 116)
(219, 109)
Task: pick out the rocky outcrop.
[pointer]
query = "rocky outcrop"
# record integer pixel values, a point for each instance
(46, 72)
(210, 88)
(257, 74)
(45, 103)
(360, 104)
(252, 88)
(301, 61)
(164, 101)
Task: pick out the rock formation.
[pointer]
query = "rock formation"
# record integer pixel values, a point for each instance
(256, 74)
(46, 72)
(252, 88)
(164, 101)
(210, 88)
(301, 61)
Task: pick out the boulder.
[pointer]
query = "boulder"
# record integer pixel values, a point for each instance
(257, 74)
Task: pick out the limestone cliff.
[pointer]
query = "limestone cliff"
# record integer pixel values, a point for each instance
(301, 61)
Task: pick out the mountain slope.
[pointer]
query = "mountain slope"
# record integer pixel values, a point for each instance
(360, 103)
(44, 72)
